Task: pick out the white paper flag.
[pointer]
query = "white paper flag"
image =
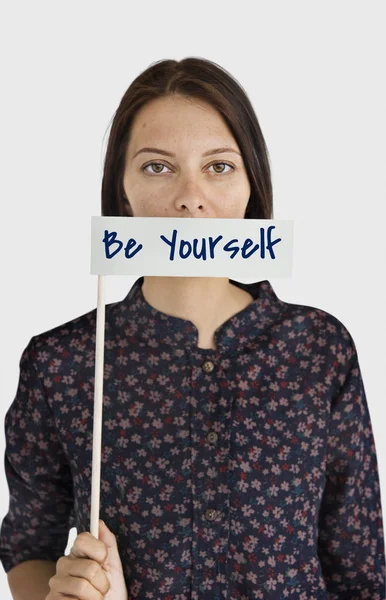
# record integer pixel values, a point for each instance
(241, 249)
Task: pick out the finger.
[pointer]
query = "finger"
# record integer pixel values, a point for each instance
(76, 587)
(88, 546)
(108, 536)
(83, 568)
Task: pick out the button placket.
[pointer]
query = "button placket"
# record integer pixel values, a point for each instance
(212, 437)
(208, 367)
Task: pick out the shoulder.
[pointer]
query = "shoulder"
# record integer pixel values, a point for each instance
(318, 327)
(72, 339)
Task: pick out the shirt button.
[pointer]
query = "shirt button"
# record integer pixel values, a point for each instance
(212, 437)
(211, 514)
(208, 366)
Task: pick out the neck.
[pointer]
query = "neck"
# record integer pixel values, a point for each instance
(201, 300)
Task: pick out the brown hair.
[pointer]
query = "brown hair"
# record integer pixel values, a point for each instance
(206, 81)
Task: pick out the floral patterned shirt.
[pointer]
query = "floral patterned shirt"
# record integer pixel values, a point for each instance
(243, 472)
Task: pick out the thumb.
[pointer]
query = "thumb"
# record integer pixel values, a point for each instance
(107, 536)
(113, 565)
(113, 559)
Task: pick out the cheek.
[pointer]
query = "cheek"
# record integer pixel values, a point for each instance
(235, 195)
(140, 192)
(151, 203)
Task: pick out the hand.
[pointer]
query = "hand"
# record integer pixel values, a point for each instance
(92, 570)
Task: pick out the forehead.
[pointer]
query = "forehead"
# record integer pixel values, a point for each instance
(177, 116)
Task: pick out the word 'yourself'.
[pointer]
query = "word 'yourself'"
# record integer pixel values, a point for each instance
(186, 248)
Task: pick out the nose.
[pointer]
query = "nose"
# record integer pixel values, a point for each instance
(191, 197)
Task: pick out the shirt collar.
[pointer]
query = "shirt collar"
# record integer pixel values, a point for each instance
(157, 327)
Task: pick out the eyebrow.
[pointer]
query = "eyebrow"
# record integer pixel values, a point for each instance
(166, 153)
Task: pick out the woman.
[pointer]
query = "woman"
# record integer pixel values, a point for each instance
(238, 459)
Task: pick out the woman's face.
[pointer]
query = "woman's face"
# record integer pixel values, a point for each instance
(178, 177)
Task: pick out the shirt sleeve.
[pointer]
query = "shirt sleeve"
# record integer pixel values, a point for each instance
(351, 541)
(40, 512)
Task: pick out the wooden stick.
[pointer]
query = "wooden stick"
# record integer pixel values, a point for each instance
(98, 406)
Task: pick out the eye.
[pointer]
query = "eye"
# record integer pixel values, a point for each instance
(151, 164)
(159, 164)
(221, 163)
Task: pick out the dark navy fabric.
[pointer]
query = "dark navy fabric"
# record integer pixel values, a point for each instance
(244, 472)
